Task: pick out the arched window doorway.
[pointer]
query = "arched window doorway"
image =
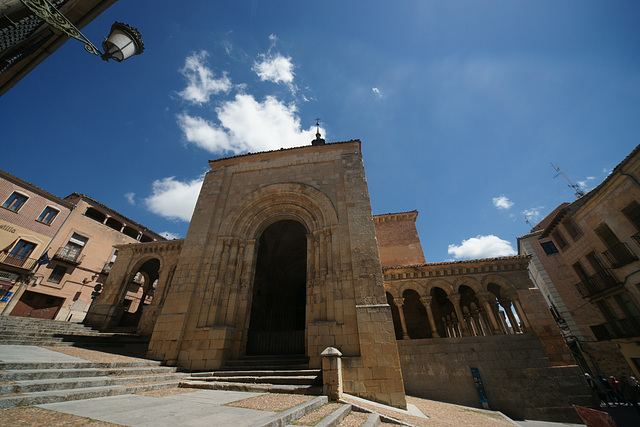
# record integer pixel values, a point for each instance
(139, 292)
(277, 322)
(415, 315)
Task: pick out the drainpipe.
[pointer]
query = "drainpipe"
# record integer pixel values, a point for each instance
(633, 178)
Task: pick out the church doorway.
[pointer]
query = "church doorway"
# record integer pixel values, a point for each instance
(277, 322)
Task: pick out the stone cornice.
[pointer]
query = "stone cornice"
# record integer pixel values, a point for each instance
(152, 247)
(265, 155)
(457, 268)
(412, 215)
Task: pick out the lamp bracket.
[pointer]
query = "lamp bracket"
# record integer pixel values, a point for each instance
(48, 13)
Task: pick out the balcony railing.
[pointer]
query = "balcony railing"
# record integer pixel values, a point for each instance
(69, 256)
(621, 328)
(620, 255)
(599, 282)
(636, 238)
(22, 263)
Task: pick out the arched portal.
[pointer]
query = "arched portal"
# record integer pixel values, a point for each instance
(415, 315)
(139, 292)
(277, 321)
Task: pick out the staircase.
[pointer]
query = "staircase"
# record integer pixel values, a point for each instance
(44, 332)
(275, 374)
(32, 383)
(35, 383)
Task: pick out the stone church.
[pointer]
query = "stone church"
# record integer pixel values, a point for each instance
(283, 256)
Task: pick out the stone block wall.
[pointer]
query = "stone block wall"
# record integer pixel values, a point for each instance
(517, 375)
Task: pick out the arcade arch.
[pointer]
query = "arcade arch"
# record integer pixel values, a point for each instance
(467, 307)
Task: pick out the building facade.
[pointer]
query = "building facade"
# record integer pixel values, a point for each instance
(81, 256)
(585, 261)
(29, 219)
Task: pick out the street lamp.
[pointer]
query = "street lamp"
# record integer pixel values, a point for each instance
(123, 42)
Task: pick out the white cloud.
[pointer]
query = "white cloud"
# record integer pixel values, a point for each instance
(482, 247)
(533, 214)
(274, 68)
(131, 198)
(174, 199)
(247, 125)
(202, 83)
(169, 235)
(584, 185)
(502, 202)
(377, 92)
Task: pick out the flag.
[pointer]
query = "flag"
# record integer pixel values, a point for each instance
(8, 248)
(44, 259)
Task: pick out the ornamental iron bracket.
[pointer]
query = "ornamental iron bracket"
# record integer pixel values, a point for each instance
(48, 13)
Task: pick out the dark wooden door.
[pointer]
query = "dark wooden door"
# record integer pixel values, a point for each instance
(41, 306)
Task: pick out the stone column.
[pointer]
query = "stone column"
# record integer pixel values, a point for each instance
(455, 299)
(484, 298)
(506, 304)
(400, 303)
(519, 311)
(426, 301)
(332, 373)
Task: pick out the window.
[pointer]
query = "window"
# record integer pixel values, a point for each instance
(549, 247)
(48, 214)
(559, 238)
(572, 228)
(22, 249)
(617, 253)
(632, 212)
(18, 252)
(57, 274)
(580, 271)
(71, 251)
(15, 201)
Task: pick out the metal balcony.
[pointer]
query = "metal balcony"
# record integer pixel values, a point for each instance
(620, 255)
(621, 328)
(69, 256)
(18, 263)
(598, 283)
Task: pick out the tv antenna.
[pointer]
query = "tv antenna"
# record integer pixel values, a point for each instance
(527, 220)
(578, 192)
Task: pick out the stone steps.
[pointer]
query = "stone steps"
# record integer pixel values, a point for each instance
(275, 374)
(252, 387)
(44, 332)
(38, 383)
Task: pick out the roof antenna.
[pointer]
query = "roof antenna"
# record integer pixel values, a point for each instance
(318, 140)
(527, 220)
(578, 192)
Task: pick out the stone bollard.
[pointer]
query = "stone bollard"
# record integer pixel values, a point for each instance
(332, 373)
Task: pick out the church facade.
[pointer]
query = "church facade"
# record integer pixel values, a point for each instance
(284, 256)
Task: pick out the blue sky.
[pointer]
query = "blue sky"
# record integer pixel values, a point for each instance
(460, 106)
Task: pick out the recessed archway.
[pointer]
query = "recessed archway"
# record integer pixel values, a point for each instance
(277, 322)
